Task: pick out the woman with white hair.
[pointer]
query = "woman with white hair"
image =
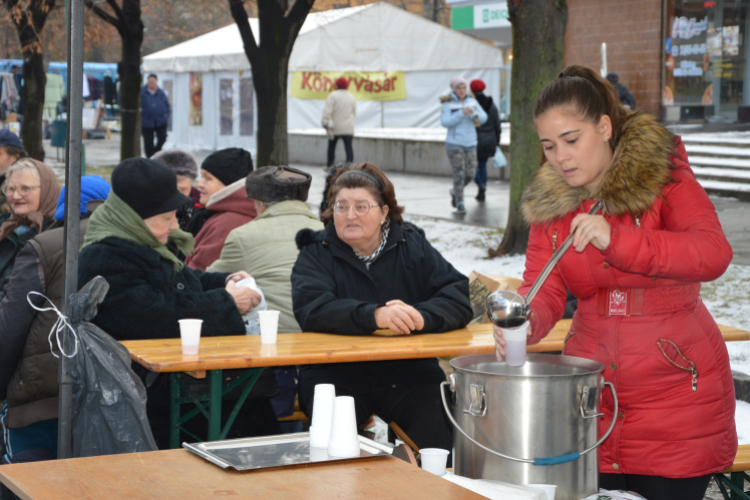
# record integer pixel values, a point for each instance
(31, 189)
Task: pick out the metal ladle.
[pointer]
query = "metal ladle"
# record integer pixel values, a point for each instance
(508, 309)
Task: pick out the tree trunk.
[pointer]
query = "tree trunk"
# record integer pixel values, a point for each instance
(538, 33)
(35, 81)
(129, 72)
(273, 136)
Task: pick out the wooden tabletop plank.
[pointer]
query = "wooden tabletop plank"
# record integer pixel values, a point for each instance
(180, 475)
(165, 355)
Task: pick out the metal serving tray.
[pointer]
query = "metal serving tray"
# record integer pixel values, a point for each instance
(275, 451)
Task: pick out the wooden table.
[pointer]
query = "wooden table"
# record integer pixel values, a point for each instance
(221, 353)
(180, 475)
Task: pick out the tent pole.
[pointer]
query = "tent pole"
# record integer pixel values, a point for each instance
(73, 148)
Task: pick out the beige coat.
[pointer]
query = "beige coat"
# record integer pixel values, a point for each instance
(266, 248)
(339, 112)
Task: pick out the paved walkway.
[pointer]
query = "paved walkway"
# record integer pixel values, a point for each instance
(428, 195)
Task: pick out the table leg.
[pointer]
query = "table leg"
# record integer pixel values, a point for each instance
(174, 411)
(735, 483)
(214, 411)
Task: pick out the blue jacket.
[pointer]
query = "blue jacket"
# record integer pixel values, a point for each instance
(155, 108)
(461, 129)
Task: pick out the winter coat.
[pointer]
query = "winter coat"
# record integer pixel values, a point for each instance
(339, 112)
(155, 108)
(334, 292)
(639, 308)
(9, 248)
(28, 370)
(488, 134)
(462, 131)
(266, 249)
(147, 296)
(228, 209)
(626, 98)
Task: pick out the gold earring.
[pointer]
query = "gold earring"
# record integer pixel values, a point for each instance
(382, 222)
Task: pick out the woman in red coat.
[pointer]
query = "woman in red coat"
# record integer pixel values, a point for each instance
(636, 270)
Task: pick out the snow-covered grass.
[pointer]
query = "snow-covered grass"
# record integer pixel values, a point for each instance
(742, 419)
(465, 246)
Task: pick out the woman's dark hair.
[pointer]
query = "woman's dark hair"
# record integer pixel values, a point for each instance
(380, 187)
(590, 95)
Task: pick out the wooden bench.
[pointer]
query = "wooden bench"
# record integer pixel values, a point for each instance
(737, 476)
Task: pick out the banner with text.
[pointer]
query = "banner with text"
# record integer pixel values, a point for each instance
(370, 86)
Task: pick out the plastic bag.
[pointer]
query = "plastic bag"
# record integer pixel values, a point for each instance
(109, 399)
(614, 495)
(251, 319)
(499, 159)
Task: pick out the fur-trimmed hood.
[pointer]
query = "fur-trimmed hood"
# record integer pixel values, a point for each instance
(640, 169)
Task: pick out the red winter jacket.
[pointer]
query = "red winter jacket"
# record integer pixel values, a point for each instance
(666, 238)
(232, 209)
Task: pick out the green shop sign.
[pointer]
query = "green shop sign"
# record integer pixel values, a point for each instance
(489, 15)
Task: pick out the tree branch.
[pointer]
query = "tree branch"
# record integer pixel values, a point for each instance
(298, 13)
(103, 14)
(237, 8)
(117, 9)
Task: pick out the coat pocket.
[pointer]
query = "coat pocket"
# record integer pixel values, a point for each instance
(676, 358)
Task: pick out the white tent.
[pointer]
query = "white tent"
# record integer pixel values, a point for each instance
(373, 38)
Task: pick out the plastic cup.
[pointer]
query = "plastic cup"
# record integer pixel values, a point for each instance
(318, 455)
(515, 347)
(434, 460)
(548, 489)
(320, 427)
(344, 441)
(269, 326)
(190, 333)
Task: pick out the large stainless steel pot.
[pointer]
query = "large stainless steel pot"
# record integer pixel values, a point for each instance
(532, 424)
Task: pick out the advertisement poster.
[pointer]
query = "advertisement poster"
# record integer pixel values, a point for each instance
(731, 41)
(225, 106)
(371, 86)
(195, 116)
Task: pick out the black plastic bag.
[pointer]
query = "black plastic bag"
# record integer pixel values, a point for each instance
(109, 399)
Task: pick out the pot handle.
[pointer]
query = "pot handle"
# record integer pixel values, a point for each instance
(537, 461)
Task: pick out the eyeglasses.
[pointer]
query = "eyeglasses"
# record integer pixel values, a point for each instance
(23, 189)
(360, 209)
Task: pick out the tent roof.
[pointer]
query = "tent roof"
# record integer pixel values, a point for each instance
(375, 37)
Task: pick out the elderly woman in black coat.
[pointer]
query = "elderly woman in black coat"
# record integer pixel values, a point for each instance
(369, 270)
(131, 241)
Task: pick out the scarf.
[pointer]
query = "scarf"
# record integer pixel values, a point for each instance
(115, 218)
(49, 190)
(369, 259)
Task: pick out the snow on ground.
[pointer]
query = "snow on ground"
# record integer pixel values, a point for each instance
(465, 246)
(742, 419)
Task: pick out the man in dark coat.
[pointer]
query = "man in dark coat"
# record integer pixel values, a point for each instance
(333, 291)
(155, 111)
(626, 98)
(11, 150)
(488, 135)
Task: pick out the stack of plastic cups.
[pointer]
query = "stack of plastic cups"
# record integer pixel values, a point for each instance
(320, 428)
(344, 442)
(515, 344)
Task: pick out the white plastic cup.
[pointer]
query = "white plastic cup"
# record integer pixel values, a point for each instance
(515, 346)
(344, 441)
(269, 326)
(318, 455)
(320, 427)
(434, 460)
(190, 333)
(547, 489)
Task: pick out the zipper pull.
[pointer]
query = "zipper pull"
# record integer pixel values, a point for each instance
(554, 241)
(694, 372)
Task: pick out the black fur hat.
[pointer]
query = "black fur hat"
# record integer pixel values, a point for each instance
(178, 160)
(278, 184)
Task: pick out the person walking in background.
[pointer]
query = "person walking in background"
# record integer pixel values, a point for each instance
(488, 135)
(338, 119)
(155, 111)
(626, 98)
(461, 114)
(186, 168)
(11, 150)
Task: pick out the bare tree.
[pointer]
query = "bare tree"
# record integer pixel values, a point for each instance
(538, 33)
(126, 18)
(279, 23)
(29, 17)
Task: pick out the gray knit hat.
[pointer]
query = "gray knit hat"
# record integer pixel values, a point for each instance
(272, 184)
(178, 160)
